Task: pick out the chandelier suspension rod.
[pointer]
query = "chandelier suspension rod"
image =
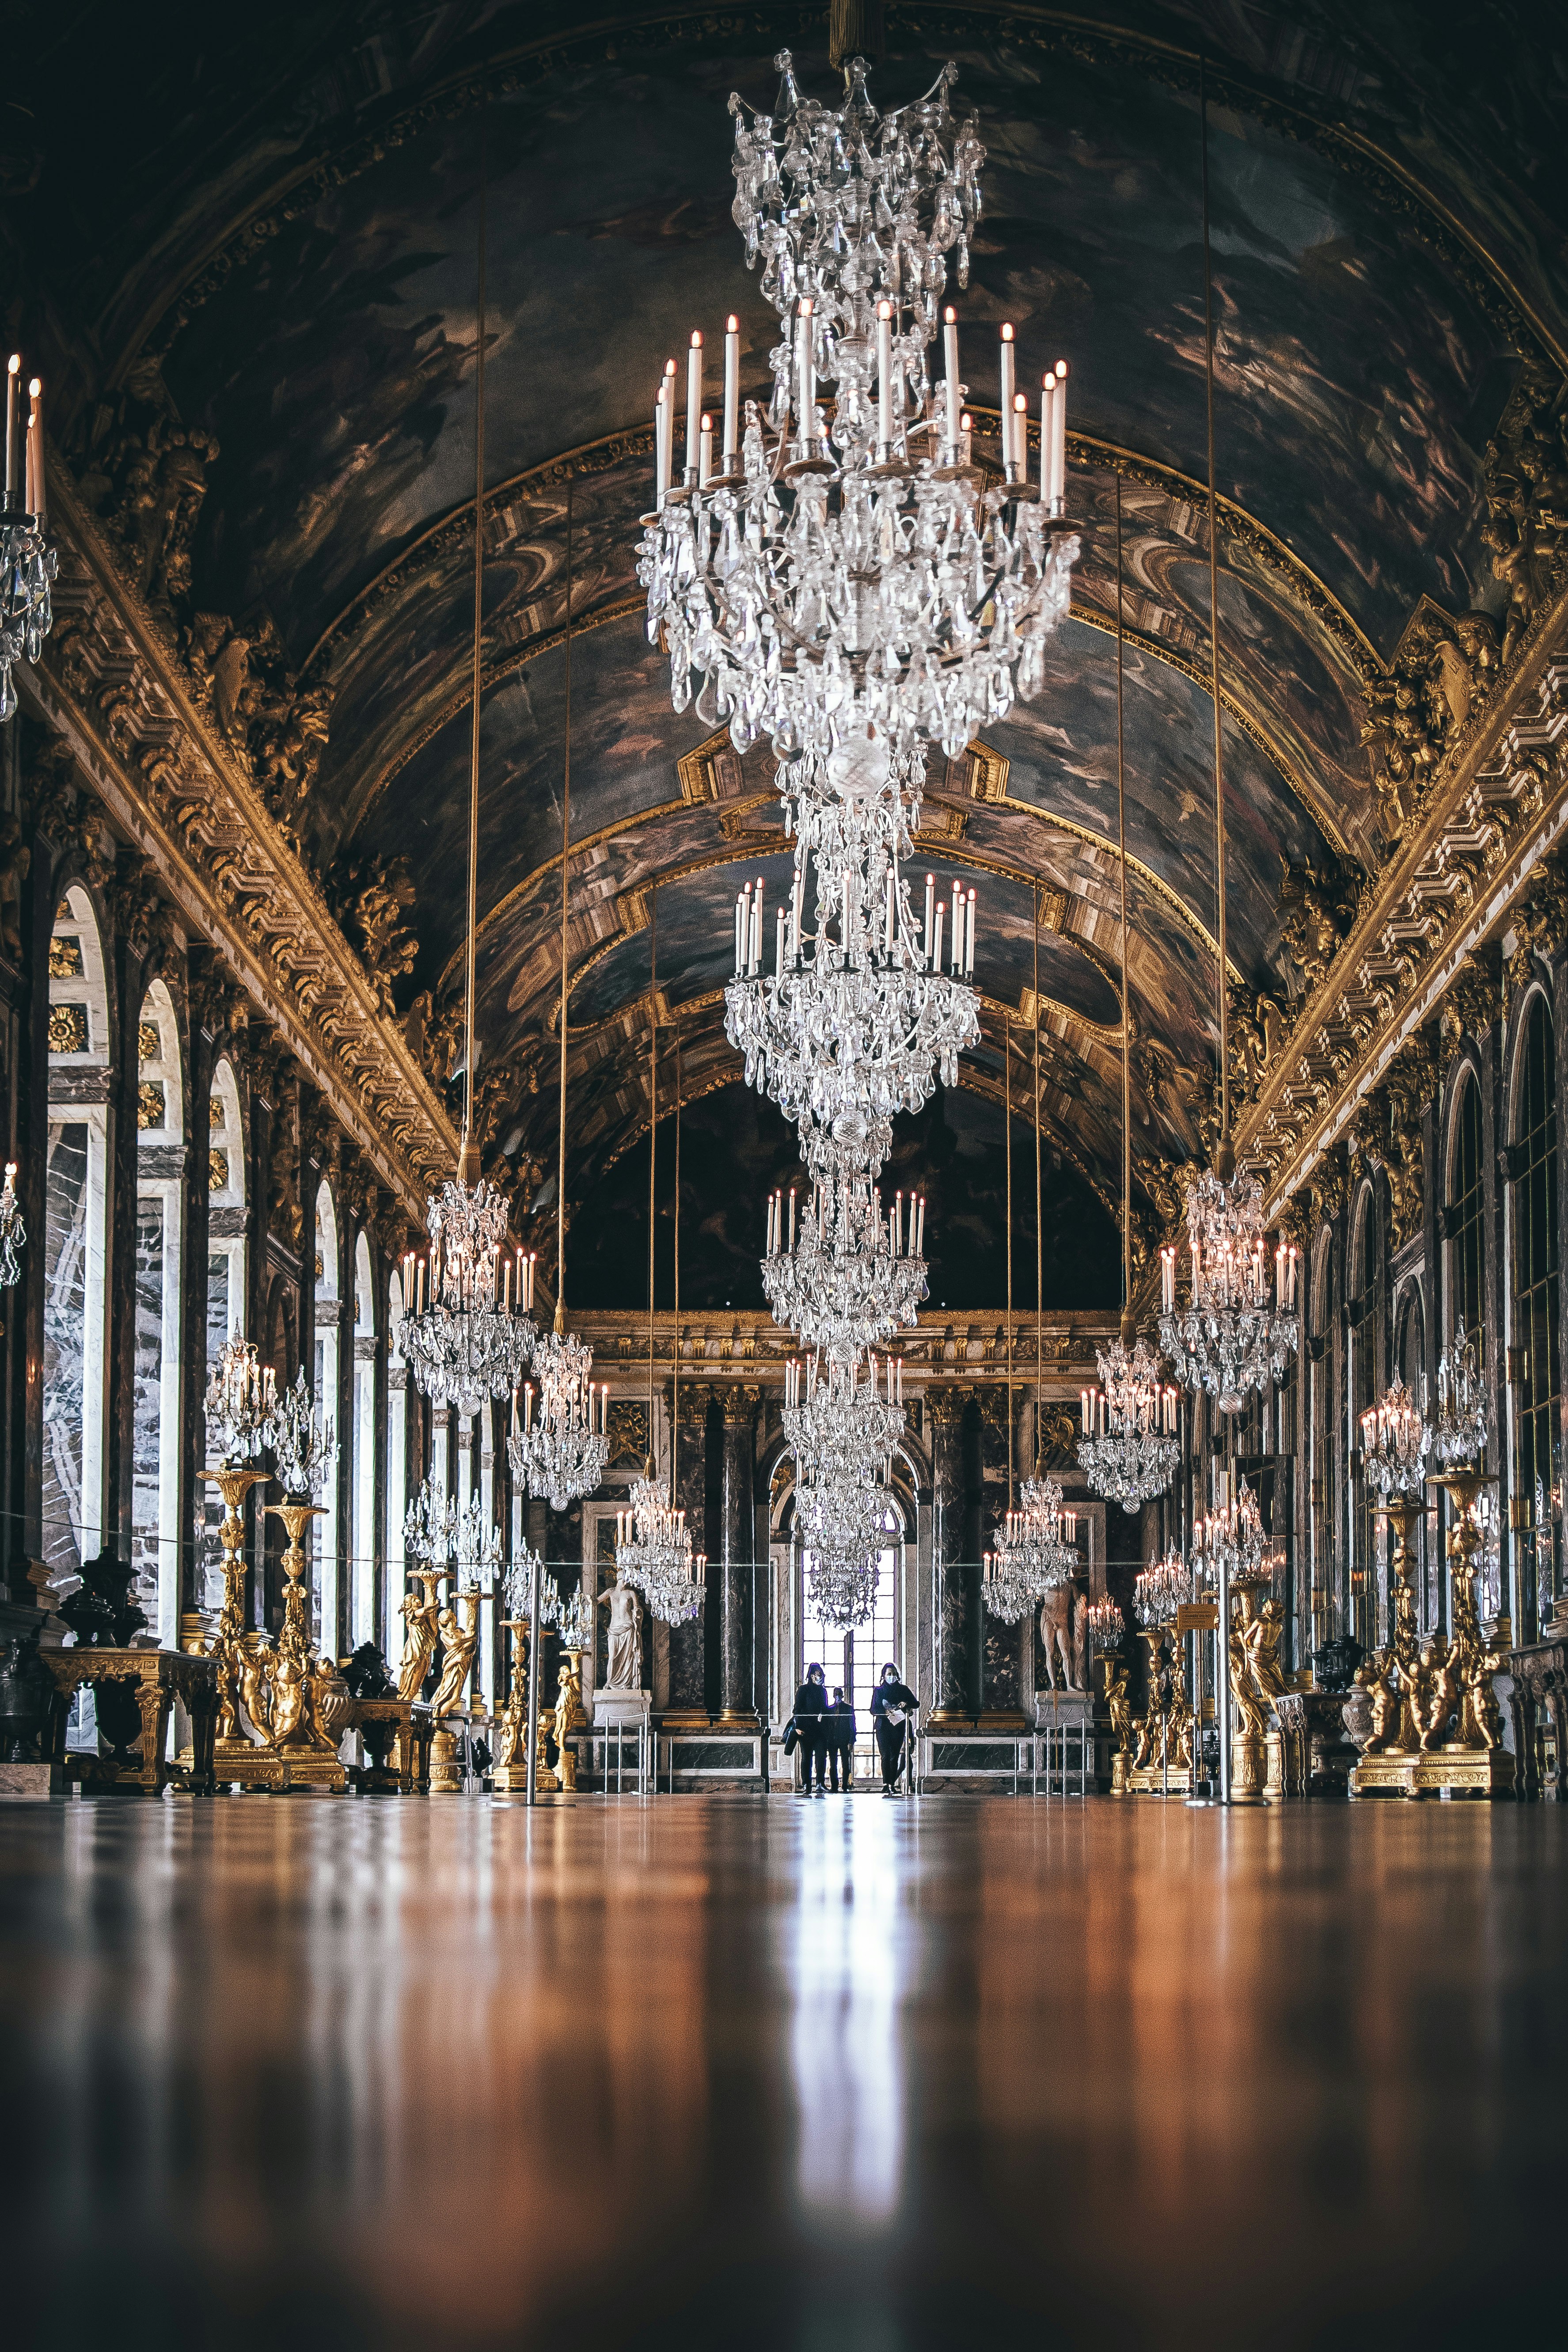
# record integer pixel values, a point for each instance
(1223, 1156)
(470, 1173)
(1039, 1203)
(1007, 1129)
(652, 1138)
(1126, 1033)
(566, 869)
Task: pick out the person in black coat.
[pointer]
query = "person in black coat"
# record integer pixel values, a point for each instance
(840, 1725)
(893, 1709)
(810, 1709)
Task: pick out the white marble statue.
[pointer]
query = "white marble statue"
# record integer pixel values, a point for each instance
(1063, 1615)
(624, 1666)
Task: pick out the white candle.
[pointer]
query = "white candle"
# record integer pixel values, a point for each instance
(792, 1216)
(731, 390)
(1060, 441)
(1008, 358)
(950, 364)
(920, 1229)
(779, 939)
(936, 957)
(705, 450)
(34, 485)
(888, 925)
(930, 889)
(12, 370)
(1048, 431)
(666, 428)
(804, 373)
(969, 939)
(757, 926)
(1021, 435)
(693, 401)
(884, 372)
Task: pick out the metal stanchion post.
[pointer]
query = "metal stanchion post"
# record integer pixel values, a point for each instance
(531, 1792)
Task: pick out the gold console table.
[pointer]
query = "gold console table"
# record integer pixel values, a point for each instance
(159, 1676)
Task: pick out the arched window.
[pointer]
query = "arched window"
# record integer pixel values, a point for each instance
(1363, 1391)
(1535, 1366)
(1463, 1218)
(324, 1374)
(856, 1659)
(363, 1627)
(77, 1190)
(159, 1198)
(225, 1270)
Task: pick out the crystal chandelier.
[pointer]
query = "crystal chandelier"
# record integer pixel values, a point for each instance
(838, 1417)
(563, 1451)
(1458, 1434)
(1004, 1584)
(654, 1551)
(575, 1621)
(1231, 1339)
(476, 1545)
(842, 1578)
(856, 578)
(468, 1335)
(1045, 1533)
(303, 1448)
(1159, 1591)
(13, 1232)
(29, 562)
(1393, 1443)
(240, 1401)
(1229, 1342)
(1129, 1449)
(846, 1275)
(430, 1528)
(526, 1571)
(857, 1021)
(1104, 1623)
(1229, 1536)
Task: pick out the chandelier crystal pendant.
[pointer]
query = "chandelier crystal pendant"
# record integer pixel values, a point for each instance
(241, 1402)
(1458, 1432)
(860, 1019)
(468, 1331)
(1395, 1439)
(845, 1274)
(30, 560)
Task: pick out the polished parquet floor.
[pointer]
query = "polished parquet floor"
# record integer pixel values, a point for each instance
(301, 2072)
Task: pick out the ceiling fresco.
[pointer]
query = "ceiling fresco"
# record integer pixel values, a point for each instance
(273, 253)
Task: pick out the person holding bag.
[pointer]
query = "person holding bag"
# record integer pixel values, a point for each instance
(894, 1707)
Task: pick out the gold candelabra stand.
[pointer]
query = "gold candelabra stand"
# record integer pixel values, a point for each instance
(510, 1774)
(234, 1482)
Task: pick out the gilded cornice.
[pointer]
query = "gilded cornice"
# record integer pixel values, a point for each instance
(727, 1346)
(110, 684)
(1498, 803)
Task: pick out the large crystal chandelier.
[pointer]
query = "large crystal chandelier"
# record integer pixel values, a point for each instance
(1230, 1341)
(846, 1273)
(840, 1416)
(854, 577)
(240, 1401)
(561, 1451)
(1006, 1585)
(1129, 1449)
(1239, 1329)
(654, 1551)
(1393, 1443)
(1229, 1536)
(1045, 1533)
(1458, 1432)
(859, 1018)
(843, 1569)
(1158, 1590)
(303, 1448)
(468, 1331)
(29, 562)
(476, 1545)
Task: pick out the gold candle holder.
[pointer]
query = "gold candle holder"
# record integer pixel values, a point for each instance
(233, 1481)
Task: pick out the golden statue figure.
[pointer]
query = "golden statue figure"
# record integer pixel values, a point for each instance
(1262, 1639)
(459, 1643)
(1434, 1692)
(255, 1691)
(1480, 1723)
(419, 1614)
(569, 1715)
(1120, 1706)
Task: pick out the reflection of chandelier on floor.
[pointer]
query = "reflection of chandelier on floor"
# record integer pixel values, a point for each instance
(855, 576)
(30, 560)
(846, 1273)
(466, 1331)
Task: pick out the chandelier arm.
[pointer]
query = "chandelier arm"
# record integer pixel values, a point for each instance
(1213, 645)
(478, 621)
(1121, 855)
(566, 856)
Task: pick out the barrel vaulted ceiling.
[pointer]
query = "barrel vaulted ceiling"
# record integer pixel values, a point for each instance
(264, 237)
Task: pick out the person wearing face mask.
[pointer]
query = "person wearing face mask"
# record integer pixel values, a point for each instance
(839, 1726)
(893, 1710)
(811, 1730)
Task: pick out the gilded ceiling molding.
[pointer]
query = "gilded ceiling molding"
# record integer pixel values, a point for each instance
(110, 685)
(1499, 805)
(728, 1343)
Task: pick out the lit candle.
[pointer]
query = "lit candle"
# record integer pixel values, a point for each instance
(779, 942)
(920, 1229)
(954, 389)
(1083, 1409)
(664, 423)
(936, 959)
(1048, 433)
(732, 392)
(1009, 357)
(1021, 436)
(514, 1411)
(804, 373)
(35, 492)
(1059, 440)
(969, 939)
(693, 403)
(885, 373)
(757, 926)
(705, 451)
